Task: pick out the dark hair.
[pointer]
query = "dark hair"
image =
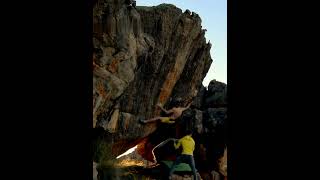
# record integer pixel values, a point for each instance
(189, 132)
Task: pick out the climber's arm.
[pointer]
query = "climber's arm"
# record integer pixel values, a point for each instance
(177, 144)
(185, 108)
(164, 110)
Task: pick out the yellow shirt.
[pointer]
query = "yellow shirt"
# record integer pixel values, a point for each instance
(187, 144)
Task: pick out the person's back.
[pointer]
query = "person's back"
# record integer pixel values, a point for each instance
(177, 111)
(187, 144)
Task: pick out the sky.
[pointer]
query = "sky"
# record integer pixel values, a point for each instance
(213, 14)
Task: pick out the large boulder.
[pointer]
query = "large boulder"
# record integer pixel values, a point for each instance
(143, 56)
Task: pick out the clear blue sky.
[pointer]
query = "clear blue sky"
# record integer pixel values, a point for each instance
(213, 14)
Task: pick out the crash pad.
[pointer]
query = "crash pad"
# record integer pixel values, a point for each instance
(180, 167)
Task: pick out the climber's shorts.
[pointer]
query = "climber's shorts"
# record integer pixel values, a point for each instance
(167, 120)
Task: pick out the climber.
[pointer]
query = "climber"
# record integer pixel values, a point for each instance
(175, 113)
(186, 156)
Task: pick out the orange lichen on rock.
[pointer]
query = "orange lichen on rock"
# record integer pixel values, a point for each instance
(113, 66)
(223, 163)
(167, 88)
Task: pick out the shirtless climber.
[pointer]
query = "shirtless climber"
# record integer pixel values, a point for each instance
(175, 113)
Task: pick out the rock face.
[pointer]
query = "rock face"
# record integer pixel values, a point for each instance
(223, 164)
(95, 172)
(142, 57)
(216, 95)
(149, 55)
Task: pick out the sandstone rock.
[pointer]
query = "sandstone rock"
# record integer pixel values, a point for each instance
(95, 172)
(213, 118)
(112, 125)
(215, 175)
(198, 125)
(216, 95)
(223, 164)
(146, 56)
(198, 101)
